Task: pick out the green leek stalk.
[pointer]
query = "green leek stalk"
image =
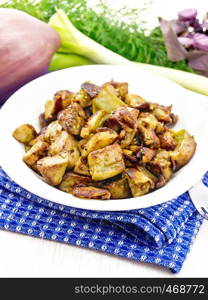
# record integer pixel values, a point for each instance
(190, 81)
(73, 41)
(65, 60)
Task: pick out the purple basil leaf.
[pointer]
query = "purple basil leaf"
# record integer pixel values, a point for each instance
(186, 41)
(200, 41)
(188, 14)
(176, 46)
(198, 60)
(178, 27)
(174, 49)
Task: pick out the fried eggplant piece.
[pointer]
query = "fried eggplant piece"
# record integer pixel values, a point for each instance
(126, 137)
(145, 154)
(91, 193)
(149, 174)
(63, 98)
(121, 88)
(61, 143)
(140, 181)
(185, 148)
(107, 99)
(119, 188)
(161, 166)
(72, 119)
(163, 113)
(88, 112)
(174, 119)
(42, 122)
(131, 156)
(149, 121)
(167, 140)
(81, 166)
(37, 151)
(134, 148)
(73, 156)
(52, 168)
(136, 101)
(130, 160)
(126, 119)
(53, 130)
(91, 89)
(99, 140)
(127, 151)
(106, 162)
(70, 180)
(28, 146)
(81, 144)
(149, 137)
(95, 121)
(51, 109)
(82, 98)
(65, 143)
(24, 133)
(60, 101)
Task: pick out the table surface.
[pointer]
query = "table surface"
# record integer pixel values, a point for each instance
(24, 256)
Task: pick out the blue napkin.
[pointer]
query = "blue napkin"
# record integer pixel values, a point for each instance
(161, 234)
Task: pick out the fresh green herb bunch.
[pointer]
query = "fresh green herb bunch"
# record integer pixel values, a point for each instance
(104, 26)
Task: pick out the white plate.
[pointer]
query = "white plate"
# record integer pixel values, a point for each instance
(27, 103)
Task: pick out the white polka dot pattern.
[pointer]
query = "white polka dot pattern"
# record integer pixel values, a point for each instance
(160, 234)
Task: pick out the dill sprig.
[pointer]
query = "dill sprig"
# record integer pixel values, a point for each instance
(104, 25)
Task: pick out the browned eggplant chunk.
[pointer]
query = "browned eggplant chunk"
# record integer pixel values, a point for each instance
(52, 168)
(71, 180)
(91, 89)
(72, 119)
(24, 133)
(119, 188)
(185, 148)
(38, 150)
(140, 181)
(106, 162)
(91, 193)
(121, 88)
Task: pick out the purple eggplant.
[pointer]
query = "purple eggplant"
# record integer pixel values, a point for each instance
(26, 48)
